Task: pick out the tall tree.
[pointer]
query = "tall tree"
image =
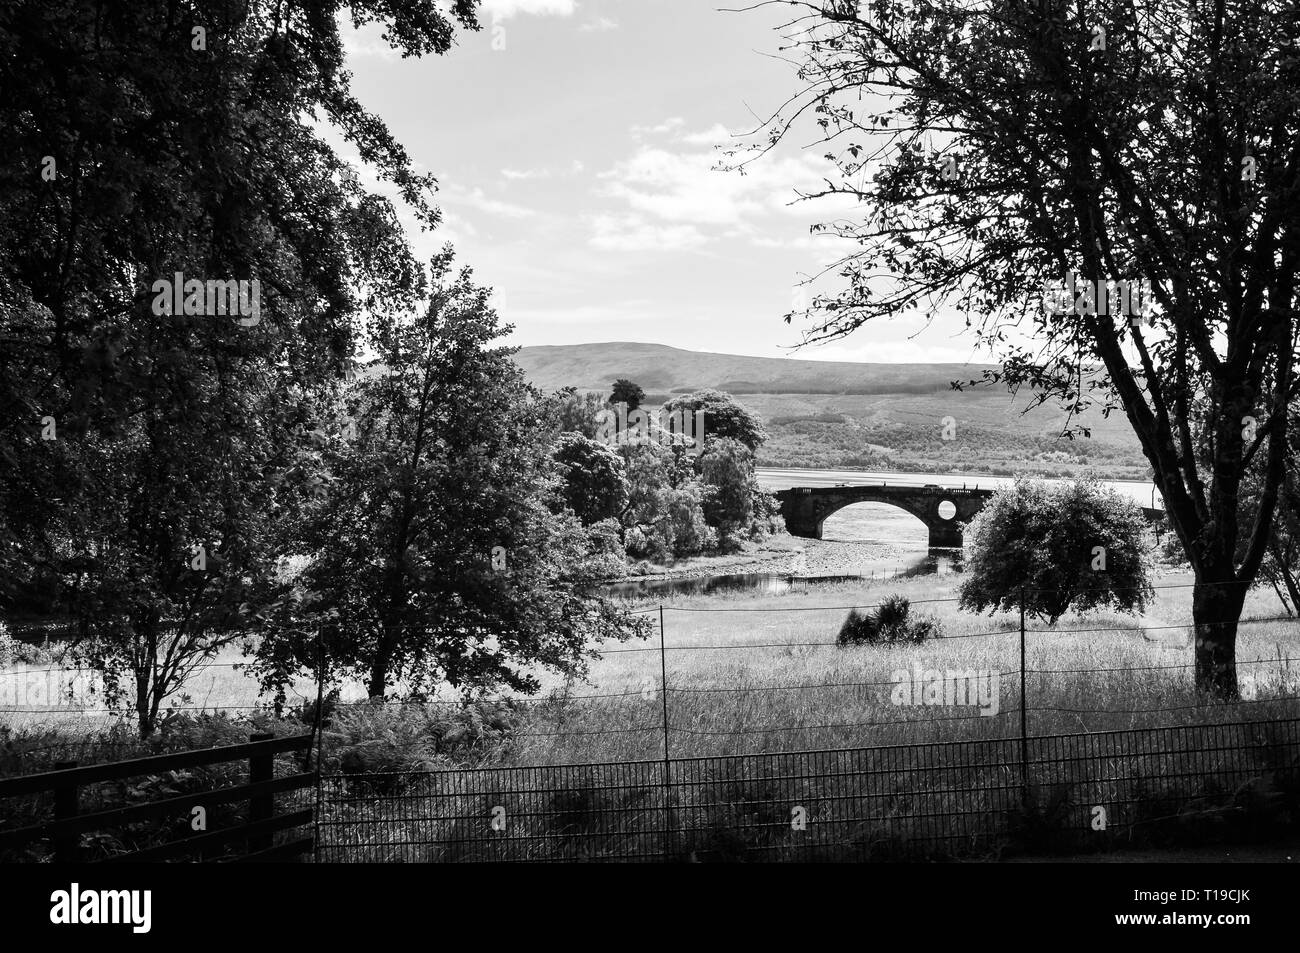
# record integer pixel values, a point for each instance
(1000, 145)
(145, 141)
(435, 555)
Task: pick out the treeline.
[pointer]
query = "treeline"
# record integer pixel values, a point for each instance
(662, 494)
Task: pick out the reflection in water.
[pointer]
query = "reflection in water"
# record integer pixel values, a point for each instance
(936, 561)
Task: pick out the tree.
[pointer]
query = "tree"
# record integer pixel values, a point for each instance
(727, 468)
(594, 486)
(1078, 546)
(436, 557)
(579, 412)
(146, 140)
(664, 516)
(626, 392)
(997, 146)
(724, 417)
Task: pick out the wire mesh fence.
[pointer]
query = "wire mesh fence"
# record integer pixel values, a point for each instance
(1185, 784)
(755, 731)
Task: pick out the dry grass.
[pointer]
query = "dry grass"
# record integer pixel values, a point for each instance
(762, 673)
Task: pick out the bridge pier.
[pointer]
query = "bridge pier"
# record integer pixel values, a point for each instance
(949, 537)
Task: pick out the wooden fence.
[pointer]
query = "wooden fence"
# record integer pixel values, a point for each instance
(253, 840)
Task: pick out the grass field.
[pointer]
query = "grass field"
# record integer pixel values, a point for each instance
(752, 673)
(580, 774)
(763, 674)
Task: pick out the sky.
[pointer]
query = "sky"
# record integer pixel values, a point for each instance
(577, 144)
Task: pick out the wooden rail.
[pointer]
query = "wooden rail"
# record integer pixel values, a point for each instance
(258, 833)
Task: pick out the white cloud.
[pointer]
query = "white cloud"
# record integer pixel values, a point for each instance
(505, 9)
(668, 125)
(599, 25)
(633, 233)
(688, 187)
(477, 198)
(516, 174)
(717, 133)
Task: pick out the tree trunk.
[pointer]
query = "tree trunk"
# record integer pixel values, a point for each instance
(1216, 607)
(381, 663)
(378, 676)
(144, 711)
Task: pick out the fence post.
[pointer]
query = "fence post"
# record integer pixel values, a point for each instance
(1024, 708)
(261, 807)
(67, 847)
(668, 777)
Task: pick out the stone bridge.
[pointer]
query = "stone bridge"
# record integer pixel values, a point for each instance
(805, 508)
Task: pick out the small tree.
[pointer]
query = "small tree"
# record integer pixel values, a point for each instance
(436, 557)
(724, 416)
(1080, 546)
(579, 412)
(594, 485)
(727, 469)
(626, 392)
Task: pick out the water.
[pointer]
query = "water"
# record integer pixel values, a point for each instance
(934, 562)
(879, 540)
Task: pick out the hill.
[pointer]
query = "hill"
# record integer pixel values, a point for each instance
(669, 370)
(872, 416)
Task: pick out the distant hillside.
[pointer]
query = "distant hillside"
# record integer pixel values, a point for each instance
(872, 416)
(666, 370)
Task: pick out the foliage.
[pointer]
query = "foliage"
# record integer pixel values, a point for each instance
(1160, 154)
(1079, 546)
(628, 393)
(578, 412)
(594, 486)
(665, 512)
(16, 652)
(133, 436)
(436, 554)
(892, 623)
(727, 468)
(378, 736)
(724, 416)
(1280, 567)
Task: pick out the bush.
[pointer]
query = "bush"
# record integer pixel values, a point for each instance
(1080, 547)
(891, 624)
(14, 652)
(857, 629)
(376, 737)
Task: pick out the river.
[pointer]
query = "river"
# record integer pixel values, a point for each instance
(858, 541)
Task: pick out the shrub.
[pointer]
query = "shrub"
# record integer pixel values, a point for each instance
(857, 629)
(375, 737)
(891, 624)
(1078, 547)
(15, 652)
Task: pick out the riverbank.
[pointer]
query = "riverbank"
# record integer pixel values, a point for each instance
(786, 555)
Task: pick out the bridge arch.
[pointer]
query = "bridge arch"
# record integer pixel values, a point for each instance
(806, 508)
(877, 521)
